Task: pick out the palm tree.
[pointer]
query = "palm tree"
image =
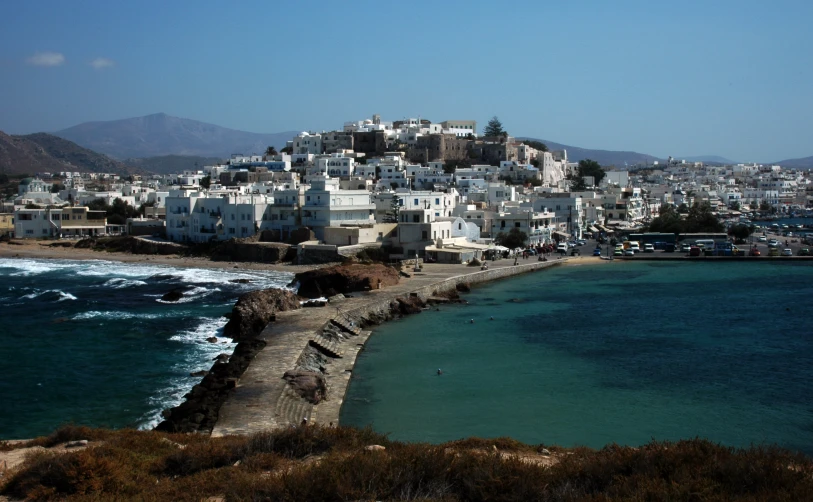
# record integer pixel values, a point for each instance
(270, 151)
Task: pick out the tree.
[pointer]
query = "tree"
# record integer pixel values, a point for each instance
(535, 163)
(669, 221)
(739, 232)
(206, 182)
(735, 205)
(270, 151)
(56, 187)
(592, 168)
(494, 128)
(515, 238)
(288, 149)
(395, 209)
(683, 208)
(764, 206)
(542, 147)
(701, 219)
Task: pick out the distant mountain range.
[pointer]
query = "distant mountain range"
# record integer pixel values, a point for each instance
(173, 164)
(803, 163)
(713, 159)
(44, 152)
(161, 134)
(603, 157)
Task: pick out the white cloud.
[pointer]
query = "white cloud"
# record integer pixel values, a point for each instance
(46, 59)
(100, 63)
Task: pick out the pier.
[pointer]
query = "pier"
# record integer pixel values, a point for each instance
(263, 400)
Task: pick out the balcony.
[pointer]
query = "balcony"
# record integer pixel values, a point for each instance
(205, 230)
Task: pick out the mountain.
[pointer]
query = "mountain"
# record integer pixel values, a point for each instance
(161, 134)
(603, 157)
(173, 164)
(714, 159)
(44, 152)
(803, 163)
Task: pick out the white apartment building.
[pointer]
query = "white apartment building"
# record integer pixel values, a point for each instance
(59, 222)
(537, 225)
(307, 143)
(325, 205)
(438, 203)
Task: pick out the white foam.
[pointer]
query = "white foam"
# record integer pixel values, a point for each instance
(192, 295)
(117, 315)
(121, 283)
(199, 357)
(62, 295)
(65, 296)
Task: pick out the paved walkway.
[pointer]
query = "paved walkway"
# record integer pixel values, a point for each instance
(263, 400)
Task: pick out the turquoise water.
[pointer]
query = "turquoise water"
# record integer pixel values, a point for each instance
(91, 342)
(595, 354)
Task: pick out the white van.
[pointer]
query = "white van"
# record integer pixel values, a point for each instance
(635, 247)
(704, 243)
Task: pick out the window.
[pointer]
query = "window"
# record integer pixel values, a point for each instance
(231, 230)
(437, 201)
(516, 224)
(424, 235)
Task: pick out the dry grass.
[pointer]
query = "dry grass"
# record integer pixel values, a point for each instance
(326, 464)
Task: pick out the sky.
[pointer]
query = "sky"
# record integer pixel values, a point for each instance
(729, 78)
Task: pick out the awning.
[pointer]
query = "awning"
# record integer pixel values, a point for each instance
(593, 229)
(561, 234)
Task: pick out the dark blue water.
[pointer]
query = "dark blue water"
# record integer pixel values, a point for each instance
(594, 354)
(91, 342)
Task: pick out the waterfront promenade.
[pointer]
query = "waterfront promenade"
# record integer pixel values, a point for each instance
(263, 400)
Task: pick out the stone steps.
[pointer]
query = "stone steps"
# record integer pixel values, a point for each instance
(327, 346)
(291, 409)
(345, 326)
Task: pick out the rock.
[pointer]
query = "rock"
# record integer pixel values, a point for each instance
(346, 278)
(375, 447)
(166, 413)
(240, 281)
(254, 310)
(336, 298)
(222, 358)
(411, 305)
(198, 418)
(174, 295)
(199, 373)
(76, 444)
(545, 451)
(463, 287)
(310, 385)
(212, 339)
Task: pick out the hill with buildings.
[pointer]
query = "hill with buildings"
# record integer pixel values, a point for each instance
(44, 152)
(161, 134)
(603, 157)
(709, 159)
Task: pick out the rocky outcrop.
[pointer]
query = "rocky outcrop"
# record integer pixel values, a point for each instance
(310, 385)
(134, 245)
(344, 279)
(254, 310)
(174, 295)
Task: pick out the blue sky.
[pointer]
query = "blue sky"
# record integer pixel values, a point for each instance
(731, 78)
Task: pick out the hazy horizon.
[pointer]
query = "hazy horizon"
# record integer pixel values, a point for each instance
(691, 79)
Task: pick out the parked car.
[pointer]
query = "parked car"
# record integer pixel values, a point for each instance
(773, 243)
(803, 252)
(787, 252)
(695, 251)
(754, 252)
(629, 252)
(685, 247)
(649, 248)
(669, 248)
(597, 252)
(773, 251)
(575, 252)
(618, 252)
(762, 238)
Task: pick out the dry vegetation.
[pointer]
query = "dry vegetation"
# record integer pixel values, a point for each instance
(315, 464)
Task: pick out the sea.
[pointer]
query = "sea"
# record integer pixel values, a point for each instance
(611, 352)
(92, 343)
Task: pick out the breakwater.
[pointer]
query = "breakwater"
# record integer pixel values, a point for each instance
(304, 340)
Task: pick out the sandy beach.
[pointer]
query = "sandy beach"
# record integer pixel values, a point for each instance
(23, 248)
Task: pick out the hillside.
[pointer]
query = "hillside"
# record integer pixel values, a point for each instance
(802, 163)
(710, 159)
(173, 164)
(160, 134)
(45, 152)
(319, 463)
(603, 157)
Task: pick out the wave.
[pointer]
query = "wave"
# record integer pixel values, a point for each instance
(192, 295)
(199, 357)
(121, 283)
(117, 315)
(50, 294)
